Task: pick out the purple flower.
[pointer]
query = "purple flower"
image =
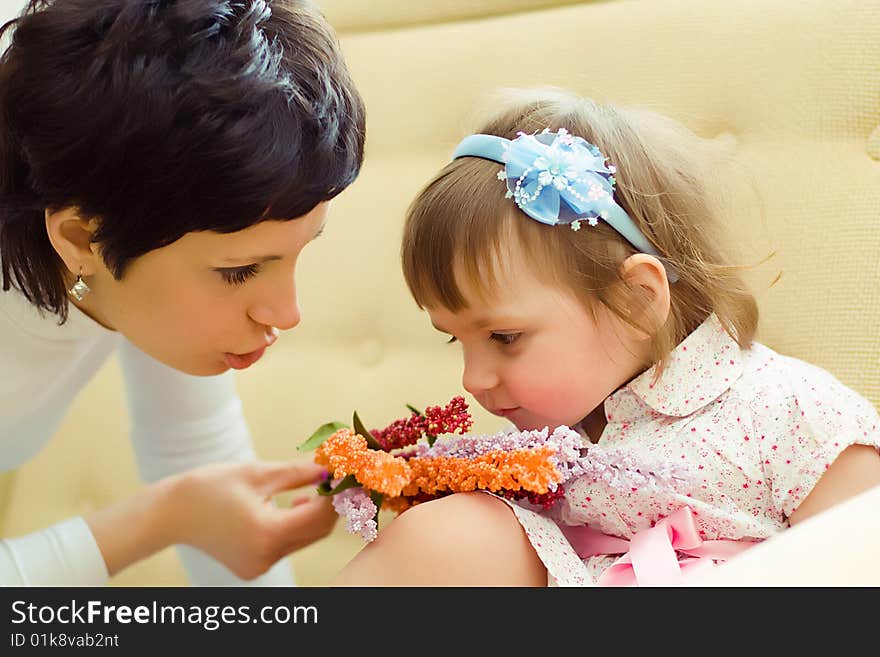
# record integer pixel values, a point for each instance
(621, 470)
(355, 505)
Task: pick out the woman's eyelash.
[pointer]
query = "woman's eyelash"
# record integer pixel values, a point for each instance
(238, 275)
(505, 338)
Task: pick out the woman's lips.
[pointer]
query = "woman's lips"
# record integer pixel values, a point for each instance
(242, 361)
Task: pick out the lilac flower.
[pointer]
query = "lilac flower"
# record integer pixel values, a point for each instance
(355, 505)
(619, 469)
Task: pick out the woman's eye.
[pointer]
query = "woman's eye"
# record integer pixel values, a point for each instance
(238, 275)
(505, 338)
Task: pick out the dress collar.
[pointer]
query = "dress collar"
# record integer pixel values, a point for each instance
(699, 370)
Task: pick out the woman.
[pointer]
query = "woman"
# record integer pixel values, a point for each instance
(162, 165)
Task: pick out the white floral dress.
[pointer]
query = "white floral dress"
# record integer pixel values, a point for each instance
(753, 430)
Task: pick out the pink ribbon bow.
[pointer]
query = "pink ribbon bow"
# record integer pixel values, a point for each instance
(651, 558)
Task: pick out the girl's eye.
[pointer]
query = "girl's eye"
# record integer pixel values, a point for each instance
(238, 275)
(505, 338)
(451, 340)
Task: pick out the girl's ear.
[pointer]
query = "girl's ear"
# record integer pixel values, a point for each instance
(647, 295)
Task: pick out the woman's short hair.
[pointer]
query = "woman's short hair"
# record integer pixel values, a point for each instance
(163, 117)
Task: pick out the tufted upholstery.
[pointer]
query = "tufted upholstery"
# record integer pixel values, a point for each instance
(791, 88)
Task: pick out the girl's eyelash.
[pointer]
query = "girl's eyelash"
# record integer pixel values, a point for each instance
(505, 338)
(238, 275)
(501, 338)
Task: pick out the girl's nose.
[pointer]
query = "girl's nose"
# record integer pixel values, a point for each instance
(479, 375)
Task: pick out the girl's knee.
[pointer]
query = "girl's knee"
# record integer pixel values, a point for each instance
(461, 511)
(478, 520)
(463, 539)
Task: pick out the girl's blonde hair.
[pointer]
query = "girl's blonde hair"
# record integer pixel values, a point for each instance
(461, 222)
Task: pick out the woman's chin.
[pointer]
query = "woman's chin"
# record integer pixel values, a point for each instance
(205, 366)
(210, 368)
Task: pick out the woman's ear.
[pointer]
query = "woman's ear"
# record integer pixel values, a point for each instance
(648, 297)
(71, 237)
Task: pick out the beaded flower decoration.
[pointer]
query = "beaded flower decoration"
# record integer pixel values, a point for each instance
(558, 178)
(418, 458)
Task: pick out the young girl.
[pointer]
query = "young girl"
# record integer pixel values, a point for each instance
(571, 249)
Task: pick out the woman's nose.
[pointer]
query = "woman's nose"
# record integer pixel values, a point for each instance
(287, 316)
(279, 307)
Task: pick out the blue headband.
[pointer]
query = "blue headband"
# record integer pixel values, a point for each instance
(557, 178)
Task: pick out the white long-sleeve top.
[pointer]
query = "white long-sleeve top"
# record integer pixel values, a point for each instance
(178, 422)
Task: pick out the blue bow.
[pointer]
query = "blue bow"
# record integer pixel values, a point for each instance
(557, 178)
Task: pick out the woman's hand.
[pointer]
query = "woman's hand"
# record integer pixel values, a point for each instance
(226, 511)
(223, 509)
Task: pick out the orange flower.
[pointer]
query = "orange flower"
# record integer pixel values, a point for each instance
(346, 453)
(497, 470)
(405, 483)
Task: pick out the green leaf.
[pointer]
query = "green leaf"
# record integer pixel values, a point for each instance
(414, 409)
(321, 434)
(377, 500)
(347, 482)
(360, 429)
(431, 439)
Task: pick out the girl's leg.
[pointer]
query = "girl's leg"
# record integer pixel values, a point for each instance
(466, 539)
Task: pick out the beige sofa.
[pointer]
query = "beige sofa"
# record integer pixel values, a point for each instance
(791, 87)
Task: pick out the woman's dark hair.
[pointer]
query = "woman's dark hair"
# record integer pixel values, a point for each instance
(163, 117)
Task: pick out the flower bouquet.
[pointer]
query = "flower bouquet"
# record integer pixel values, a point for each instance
(429, 454)
(420, 458)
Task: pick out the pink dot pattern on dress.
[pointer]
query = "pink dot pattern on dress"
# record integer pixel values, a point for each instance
(756, 428)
